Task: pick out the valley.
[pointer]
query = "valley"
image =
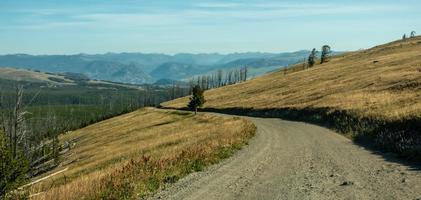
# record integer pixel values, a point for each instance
(121, 151)
(210, 100)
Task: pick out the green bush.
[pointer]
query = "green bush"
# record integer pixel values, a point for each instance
(13, 170)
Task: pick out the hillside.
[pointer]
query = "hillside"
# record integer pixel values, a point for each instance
(373, 93)
(384, 81)
(32, 76)
(132, 155)
(57, 103)
(57, 79)
(83, 64)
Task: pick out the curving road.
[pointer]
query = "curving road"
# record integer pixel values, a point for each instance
(294, 160)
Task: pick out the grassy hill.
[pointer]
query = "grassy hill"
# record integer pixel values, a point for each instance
(89, 65)
(372, 94)
(57, 79)
(32, 76)
(57, 103)
(132, 155)
(68, 100)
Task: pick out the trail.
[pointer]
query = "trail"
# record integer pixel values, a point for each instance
(295, 160)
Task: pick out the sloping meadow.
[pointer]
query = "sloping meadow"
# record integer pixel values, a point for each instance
(132, 155)
(372, 95)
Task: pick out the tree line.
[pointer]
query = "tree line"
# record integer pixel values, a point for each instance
(219, 79)
(215, 80)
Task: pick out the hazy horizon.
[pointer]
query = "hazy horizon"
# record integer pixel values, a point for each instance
(168, 54)
(98, 27)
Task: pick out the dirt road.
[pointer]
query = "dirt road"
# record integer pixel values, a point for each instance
(294, 160)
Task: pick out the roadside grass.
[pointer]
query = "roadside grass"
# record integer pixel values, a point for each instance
(373, 95)
(133, 155)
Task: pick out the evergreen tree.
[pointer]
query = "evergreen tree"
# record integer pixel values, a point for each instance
(312, 58)
(413, 34)
(325, 54)
(197, 100)
(13, 169)
(404, 37)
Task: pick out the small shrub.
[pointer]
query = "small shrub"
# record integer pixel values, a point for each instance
(17, 195)
(171, 179)
(152, 183)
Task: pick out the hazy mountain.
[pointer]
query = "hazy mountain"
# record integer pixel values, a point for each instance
(147, 68)
(237, 56)
(282, 59)
(117, 72)
(176, 71)
(146, 62)
(167, 81)
(151, 61)
(259, 63)
(94, 69)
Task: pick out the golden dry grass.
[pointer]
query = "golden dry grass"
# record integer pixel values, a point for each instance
(131, 155)
(381, 82)
(41, 77)
(26, 75)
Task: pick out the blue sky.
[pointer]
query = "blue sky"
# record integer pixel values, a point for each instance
(196, 26)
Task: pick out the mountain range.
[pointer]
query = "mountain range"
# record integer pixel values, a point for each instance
(139, 68)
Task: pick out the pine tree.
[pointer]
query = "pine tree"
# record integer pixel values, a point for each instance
(404, 37)
(197, 100)
(312, 58)
(413, 34)
(13, 169)
(325, 54)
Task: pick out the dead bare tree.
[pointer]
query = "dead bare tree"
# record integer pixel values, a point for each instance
(236, 75)
(219, 77)
(15, 143)
(16, 130)
(191, 85)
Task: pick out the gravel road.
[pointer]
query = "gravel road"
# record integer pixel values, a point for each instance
(295, 160)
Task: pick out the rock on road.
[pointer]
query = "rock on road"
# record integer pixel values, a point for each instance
(295, 160)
